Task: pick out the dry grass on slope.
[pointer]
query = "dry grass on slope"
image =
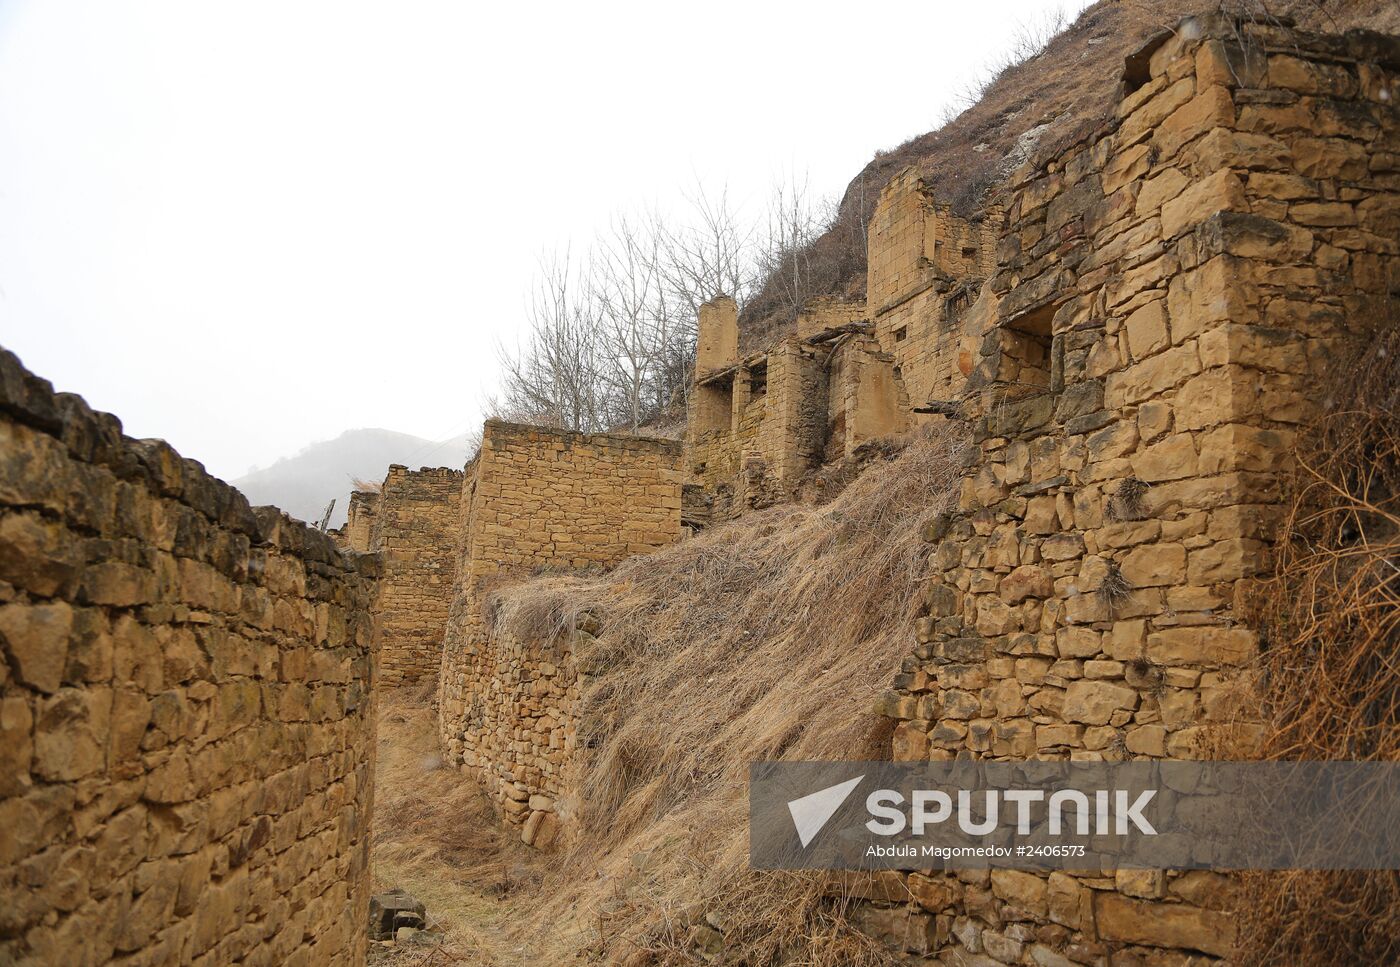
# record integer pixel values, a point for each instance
(767, 638)
(1330, 671)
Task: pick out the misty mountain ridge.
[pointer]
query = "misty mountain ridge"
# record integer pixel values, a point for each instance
(304, 484)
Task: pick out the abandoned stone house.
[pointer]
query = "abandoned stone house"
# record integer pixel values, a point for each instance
(852, 371)
(1132, 328)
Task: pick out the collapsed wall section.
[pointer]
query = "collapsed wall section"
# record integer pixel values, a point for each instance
(926, 266)
(356, 533)
(538, 500)
(1174, 292)
(756, 426)
(415, 531)
(186, 721)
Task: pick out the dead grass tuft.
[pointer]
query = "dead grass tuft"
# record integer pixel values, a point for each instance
(1331, 679)
(1115, 589)
(1126, 502)
(767, 638)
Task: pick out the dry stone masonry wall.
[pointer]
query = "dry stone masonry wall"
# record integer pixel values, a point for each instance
(1170, 296)
(355, 534)
(926, 267)
(415, 532)
(186, 720)
(757, 426)
(536, 500)
(1136, 327)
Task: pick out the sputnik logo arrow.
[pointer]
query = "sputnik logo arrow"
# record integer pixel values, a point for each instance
(811, 812)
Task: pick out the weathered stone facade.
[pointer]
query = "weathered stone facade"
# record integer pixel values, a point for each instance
(1168, 295)
(757, 425)
(356, 533)
(415, 532)
(186, 711)
(926, 268)
(853, 371)
(1135, 327)
(539, 499)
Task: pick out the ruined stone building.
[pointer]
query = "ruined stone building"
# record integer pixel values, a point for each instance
(411, 522)
(852, 371)
(1168, 294)
(1133, 328)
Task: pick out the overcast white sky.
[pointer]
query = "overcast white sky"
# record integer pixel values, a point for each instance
(245, 226)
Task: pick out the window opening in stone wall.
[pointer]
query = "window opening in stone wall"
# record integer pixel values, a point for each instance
(901, 334)
(713, 400)
(1029, 349)
(758, 381)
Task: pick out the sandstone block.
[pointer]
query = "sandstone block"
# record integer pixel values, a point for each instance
(391, 911)
(934, 894)
(16, 745)
(1177, 925)
(1026, 892)
(71, 734)
(1254, 237)
(1026, 581)
(36, 639)
(1147, 329)
(1067, 900)
(1077, 643)
(38, 555)
(1094, 702)
(1211, 647)
(1154, 565)
(1222, 191)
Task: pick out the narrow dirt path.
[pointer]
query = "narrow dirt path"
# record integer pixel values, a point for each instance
(435, 835)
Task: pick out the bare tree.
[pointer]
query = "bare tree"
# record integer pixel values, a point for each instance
(611, 341)
(794, 223)
(708, 254)
(626, 289)
(554, 377)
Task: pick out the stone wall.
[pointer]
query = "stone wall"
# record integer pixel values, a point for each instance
(539, 500)
(1170, 296)
(756, 426)
(415, 532)
(853, 371)
(186, 719)
(356, 533)
(926, 266)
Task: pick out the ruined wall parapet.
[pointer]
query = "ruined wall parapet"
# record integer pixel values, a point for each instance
(1170, 293)
(537, 500)
(357, 531)
(926, 267)
(717, 336)
(186, 717)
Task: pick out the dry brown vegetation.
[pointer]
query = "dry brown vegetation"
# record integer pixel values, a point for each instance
(767, 638)
(436, 836)
(1331, 679)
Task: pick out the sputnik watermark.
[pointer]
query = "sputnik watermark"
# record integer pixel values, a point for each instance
(884, 805)
(1038, 815)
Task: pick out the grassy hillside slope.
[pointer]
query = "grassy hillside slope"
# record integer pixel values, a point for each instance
(767, 638)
